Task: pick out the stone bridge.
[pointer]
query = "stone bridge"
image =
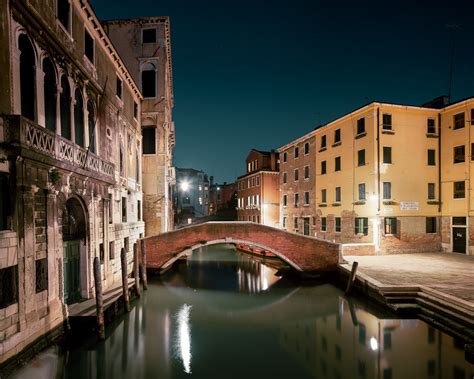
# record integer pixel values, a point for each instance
(301, 252)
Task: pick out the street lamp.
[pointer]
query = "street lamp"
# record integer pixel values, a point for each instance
(184, 185)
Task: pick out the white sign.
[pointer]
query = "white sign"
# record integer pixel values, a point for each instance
(409, 205)
(387, 210)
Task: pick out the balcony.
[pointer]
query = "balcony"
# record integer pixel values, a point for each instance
(32, 139)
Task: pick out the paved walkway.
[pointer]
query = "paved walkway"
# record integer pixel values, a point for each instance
(449, 273)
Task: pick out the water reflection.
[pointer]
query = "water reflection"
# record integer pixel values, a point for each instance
(276, 330)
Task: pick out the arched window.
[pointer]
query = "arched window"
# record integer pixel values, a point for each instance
(148, 80)
(91, 125)
(27, 77)
(65, 106)
(49, 94)
(79, 118)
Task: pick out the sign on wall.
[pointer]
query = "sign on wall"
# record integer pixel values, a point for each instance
(409, 205)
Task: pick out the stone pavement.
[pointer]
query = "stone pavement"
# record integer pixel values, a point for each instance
(449, 273)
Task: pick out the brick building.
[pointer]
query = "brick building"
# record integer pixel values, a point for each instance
(221, 196)
(258, 191)
(297, 185)
(394, 178)
(70, 162)
(144, 45)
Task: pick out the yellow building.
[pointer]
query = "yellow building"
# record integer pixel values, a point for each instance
(379, 181)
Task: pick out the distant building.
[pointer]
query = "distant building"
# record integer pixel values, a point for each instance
(222, 196)
(70, 162)
(144, 44)
(387, 177)
(298, 185)
(192, 195)
(258, 191)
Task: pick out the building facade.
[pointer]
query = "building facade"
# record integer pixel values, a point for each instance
(258, 191)
(395, 178)
(192, 195)
(221, 196)
(144, 45)
(298, 185)
(70, 166)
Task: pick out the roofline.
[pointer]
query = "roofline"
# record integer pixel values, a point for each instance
(153, 20)
(91, 15)
(296, 141)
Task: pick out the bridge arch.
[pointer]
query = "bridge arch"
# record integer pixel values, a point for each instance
(301, 252)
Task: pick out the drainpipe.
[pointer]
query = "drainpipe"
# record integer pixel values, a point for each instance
(378, 160)
(439, 163)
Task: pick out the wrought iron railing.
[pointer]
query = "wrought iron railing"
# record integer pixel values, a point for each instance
(22, 131)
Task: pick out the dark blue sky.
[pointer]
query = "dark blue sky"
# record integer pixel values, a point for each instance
(261, 73)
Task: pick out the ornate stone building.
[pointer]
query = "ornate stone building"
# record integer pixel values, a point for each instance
(144, 44)
(70, 182)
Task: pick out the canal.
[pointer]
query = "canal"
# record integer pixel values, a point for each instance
(224, 314)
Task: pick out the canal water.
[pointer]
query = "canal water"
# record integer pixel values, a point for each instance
(224, 314)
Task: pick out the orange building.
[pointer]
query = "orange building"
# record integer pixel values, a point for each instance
(258, 191)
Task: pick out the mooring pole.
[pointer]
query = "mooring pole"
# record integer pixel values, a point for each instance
(352, 276)
(126, 298)
(99, 299)
(136, 263)
(143, 266)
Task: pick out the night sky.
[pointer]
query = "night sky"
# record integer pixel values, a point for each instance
(257, 74)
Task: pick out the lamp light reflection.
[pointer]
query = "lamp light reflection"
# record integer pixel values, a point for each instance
(374, 345)
(184, 335)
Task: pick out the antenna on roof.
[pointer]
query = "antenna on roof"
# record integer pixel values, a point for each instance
(454, 28)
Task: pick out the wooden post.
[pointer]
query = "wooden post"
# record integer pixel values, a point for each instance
(126, 298)
(352, 276)
(136, 264)
(143, 266)
(99, 299)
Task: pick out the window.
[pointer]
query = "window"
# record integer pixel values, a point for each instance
(361, 126)
(361, 157)
(323, 224)
(338, 194)
(459, 154)
(285, 200)
(306, 198)
(284, 222)
(387, 339)
(64, 13)
(284, 178)
(79, 119)
(41, 275)
(337, 224)
(362, 191)
(323, 142)
(387, 190)
(472, 151)
(111, 250)
(297, 152)
(149, 35)
(111, 211)
(148, 80)
(306, 172)
(337, 136)
(459, 121)
(431, 191)
(139, 210)
(149, 140)
(118, 87)
(362, 225)
(431, 157)
(387, 121)
(4, 202)
(430, 127)
(459, 190)
(337, 164)
(296, 174)
(285, 157)
(323, 167)
(50, 90)
(431, 225)
(8, 286)
(124, 209)
(297, 199)
(431, 368)
(323, 196)
(306, 148)
(88, 46)
(387, 154)
(65, 108)
(295, 223)
(390, 225)
(101, 253)
(257, 181)
(135, 110)
(91, 122)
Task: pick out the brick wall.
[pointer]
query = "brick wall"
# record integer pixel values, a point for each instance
(308, 253)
